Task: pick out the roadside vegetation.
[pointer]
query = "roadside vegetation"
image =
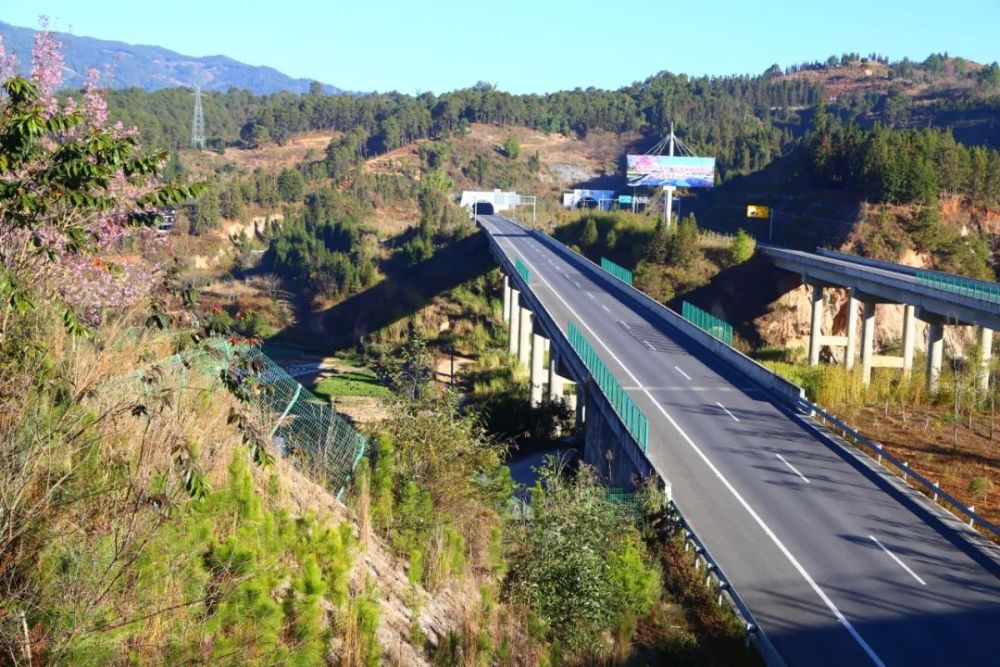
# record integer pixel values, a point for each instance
(666, 263)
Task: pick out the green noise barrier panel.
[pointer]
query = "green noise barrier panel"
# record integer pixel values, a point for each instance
(633, 418)
(522, 270)
(960, 285)
(708, 323)
(619, 272)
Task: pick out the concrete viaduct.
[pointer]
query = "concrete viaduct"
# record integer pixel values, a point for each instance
(827, 558)
(869, 282)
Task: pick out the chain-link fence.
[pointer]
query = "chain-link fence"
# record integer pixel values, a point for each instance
(302, 427)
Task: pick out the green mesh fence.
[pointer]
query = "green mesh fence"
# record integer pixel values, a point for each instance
(303, 428)
(965, 286)
(306, 428)
(522, 270)
(619, 272)
(708, 323)
(627, 501)
(633, 418)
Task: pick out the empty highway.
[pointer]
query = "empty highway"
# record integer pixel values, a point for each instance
(839, 566)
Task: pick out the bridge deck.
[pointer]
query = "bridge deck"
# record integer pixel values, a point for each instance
(839, 566)
(889, 282)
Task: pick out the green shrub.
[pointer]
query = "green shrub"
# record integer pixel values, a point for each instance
(743, 247)
(579, 564)
(980, 487)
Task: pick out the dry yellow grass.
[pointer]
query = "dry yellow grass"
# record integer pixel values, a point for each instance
(270, 158)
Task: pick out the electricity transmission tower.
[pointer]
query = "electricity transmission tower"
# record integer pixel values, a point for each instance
(198, 122)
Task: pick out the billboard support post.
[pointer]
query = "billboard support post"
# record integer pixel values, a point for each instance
(668, 191)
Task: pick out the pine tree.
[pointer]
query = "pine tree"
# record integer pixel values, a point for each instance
(589, 235)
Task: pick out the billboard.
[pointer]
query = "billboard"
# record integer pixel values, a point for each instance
(762, 212)
(681, 172)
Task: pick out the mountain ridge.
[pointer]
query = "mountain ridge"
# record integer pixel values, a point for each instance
(152, 67)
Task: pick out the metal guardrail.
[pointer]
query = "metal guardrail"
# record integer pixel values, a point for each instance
(619, 272)
(881, 456)
(753, 634)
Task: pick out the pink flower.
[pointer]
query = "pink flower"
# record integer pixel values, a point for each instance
(46, 64)
(8, 63)
(95, 106)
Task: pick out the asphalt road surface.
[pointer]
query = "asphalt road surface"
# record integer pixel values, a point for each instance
(838, 565)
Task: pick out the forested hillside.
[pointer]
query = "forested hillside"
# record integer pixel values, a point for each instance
(729, 117)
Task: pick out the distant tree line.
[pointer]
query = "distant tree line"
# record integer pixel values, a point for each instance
(729, 117)
(900, 166)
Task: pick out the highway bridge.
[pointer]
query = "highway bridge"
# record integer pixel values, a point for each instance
(838, 562)
(938, 299)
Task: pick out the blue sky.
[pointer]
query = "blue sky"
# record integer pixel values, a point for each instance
(524, 45)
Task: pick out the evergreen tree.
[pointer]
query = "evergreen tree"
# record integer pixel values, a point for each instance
(588, 236)
(291, 185)
(684, 247)
(206, 213)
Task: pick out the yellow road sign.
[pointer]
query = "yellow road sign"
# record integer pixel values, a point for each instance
(763, 212)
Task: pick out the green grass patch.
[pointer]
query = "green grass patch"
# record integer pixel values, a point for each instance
(352, 383)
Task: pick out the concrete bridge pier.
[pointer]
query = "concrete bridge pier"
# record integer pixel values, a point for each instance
(869, 359)
(556, 381)
(524, 337)
(852, 329)
(536, 368)
(506, 298)
(816, 337)
(935, 354)
(513, 322)
(909, 337)
(816, 328)
(867, 340)
(580, 405)
(986, 356)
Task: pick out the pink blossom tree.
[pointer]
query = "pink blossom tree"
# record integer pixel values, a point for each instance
(71, 186)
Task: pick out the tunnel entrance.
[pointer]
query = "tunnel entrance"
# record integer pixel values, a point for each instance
(482, 208)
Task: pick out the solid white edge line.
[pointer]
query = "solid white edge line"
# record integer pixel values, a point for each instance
(792, 468)
(760, 522)
(677, 368)
(735, 418)
(896, 558)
